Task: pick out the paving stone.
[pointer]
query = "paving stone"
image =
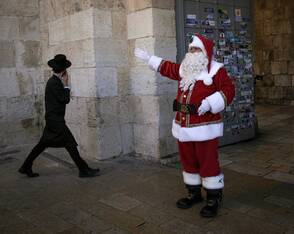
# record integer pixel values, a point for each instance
(121, 202)
(280, 176)
(280, 201)
(248, 169)
(237, 206)
(178, 226)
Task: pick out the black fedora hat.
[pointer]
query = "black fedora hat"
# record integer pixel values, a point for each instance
(59, 63)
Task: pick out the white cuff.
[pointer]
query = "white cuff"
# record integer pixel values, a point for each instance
(191, 179)
(66, 87)
(154, 62)
(213, 182)
(216, 102)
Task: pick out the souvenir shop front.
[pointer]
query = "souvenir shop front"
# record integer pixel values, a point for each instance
(228, 24)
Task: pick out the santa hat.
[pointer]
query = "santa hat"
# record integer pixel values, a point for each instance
(206, 45)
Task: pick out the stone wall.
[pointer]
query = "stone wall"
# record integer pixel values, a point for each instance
(20, 77)
(273, 48)
(151, 26)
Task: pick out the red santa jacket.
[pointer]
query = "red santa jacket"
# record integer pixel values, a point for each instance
(214, 85)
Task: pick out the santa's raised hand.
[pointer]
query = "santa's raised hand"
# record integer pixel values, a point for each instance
(142, 54)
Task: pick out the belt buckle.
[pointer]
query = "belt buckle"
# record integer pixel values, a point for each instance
(184, 108)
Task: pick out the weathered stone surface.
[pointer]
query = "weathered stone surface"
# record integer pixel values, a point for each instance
(30, 28)
(114, 5)
(127, 133)
(103, 23)
(106, 82)
(83, 82)
(109, 142)
(121, 202)
(163, 23)
(8, 83)
(278, 68)
(111, 52)
(119, 25)
(147, 146)
(9, 27)
(28, 53)
(133, 5)
(283, 80)
(19, 7)
(7, 51)
(80, 53)
(142, 81)
(140, 24)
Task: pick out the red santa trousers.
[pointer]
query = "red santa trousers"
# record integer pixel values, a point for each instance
(200, 157)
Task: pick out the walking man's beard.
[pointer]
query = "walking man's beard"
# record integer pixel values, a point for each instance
(193, 64)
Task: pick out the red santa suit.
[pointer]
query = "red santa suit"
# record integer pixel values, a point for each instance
(198, 134)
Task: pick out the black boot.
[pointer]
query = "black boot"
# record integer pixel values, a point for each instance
(193, 197)
(214, 199)
(89, 172)
(27, 171)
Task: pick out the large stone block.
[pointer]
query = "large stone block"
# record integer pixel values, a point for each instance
(114, 5)
(140, 24)
(167, 143)
(127, 133)
(27, 80)
(164, 23)
(127, 107)
(30, 28)
(123, 81)
(59, 31)
(9, 28)
(147, 146)
(80, 53)
(54, 9)
(142, 81)
(109, 142)
(106, 82)
(119, 25)
(82, 111)
(89, 143)
(3, 108)
(291, 67)
(146, 109)
(83, 82)
(111, 52)
(19, 7)
(278, 68)
(8, 83)
(283, 80)
(135, 5)
(164, 4)
(7, 51)
(82, 25)
(103, 23)
(166, 114)
(107, 111)
(28, 54)
(21, 108)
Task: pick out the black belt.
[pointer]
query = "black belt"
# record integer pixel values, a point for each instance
(185, 108)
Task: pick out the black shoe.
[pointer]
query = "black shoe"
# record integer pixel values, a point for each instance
(193, 198)
(89, 173)
(28, 172)
(213, 202)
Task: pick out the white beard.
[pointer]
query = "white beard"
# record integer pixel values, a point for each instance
(191, 67)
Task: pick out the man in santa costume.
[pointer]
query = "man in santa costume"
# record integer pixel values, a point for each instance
(204, 90)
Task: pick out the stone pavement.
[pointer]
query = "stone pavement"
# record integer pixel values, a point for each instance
(135, 196)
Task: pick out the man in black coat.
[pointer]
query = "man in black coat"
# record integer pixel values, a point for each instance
(56, 133)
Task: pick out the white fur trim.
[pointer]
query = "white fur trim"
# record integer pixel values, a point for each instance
(216, 102)
(198, 43)
(207, 77)
(154, 62)
(191, 179)
(213, 182)
(198, 133)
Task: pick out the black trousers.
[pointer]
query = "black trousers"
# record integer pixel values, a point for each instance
(71, 149)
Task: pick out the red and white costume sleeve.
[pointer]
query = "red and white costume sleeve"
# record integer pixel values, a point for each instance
(213, 84)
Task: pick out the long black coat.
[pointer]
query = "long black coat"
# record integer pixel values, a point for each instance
(56, 133)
